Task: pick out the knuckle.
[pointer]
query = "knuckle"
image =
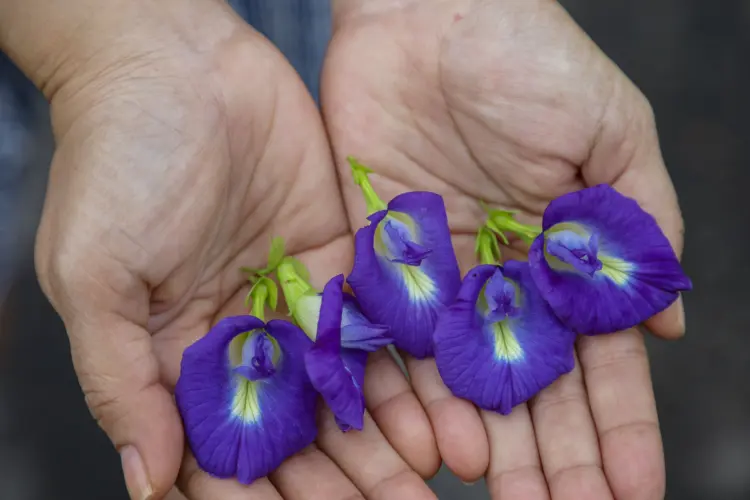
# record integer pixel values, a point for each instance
(113, 388)
(644, 109)
(107, 409)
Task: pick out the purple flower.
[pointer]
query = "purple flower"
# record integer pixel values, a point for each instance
(336, 362)
(602, 263)
(342, 336)
(357, 332)
(245, 398)
(405, 270)
(499, 344)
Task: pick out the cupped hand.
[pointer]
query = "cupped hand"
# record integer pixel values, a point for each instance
(510, 103)
(182, 149)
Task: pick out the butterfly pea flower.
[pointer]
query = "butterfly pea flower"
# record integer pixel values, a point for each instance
(602, 262)
(244, 395)
(342, 338)
(499, 343)
(405, 270)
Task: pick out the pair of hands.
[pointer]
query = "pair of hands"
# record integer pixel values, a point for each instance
(186, 145)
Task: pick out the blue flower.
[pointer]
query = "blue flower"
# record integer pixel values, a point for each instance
(499, 343)
(245, 398)
(244, 395)
(602, 263)
(405, 270)
(342, 338)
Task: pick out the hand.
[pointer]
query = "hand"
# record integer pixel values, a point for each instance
(184, 144)
(511, 103)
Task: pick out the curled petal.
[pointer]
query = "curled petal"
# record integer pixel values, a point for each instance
(406, 292)
(327, 367)
(498, 365)
(356, 330)
(602, 263)
(335, 381)
(241, 427)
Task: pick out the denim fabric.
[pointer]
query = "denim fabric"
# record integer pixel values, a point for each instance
(17, 115)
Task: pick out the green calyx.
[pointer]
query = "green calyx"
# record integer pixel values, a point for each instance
(294, 279)
(264, 290)
(487, 247)
(360, 173)
(504, 221)
(291, 274)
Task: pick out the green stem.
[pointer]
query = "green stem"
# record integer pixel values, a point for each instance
(487, 246)
(485, 256)
(260, 296)
(372, 200)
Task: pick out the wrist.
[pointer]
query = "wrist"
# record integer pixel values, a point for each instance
(63, 44)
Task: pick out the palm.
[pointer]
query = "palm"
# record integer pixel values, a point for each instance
(452, 100)
(267, 174)
(507, 102)
(180, 190)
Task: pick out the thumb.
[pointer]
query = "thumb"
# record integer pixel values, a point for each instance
(626, 155)
(104, 309)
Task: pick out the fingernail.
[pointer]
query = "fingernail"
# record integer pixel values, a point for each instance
(136, 478)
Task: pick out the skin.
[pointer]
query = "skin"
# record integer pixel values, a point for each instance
(185, 142)
(511, 103)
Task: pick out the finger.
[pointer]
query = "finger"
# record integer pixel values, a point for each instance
(567, 440)
(459, 430)
(622, 402)
(370, 462)
(198, 485)
(175, 494)
(399, 414)
(515, 470)
(311, 475)
(119, 375)
(627, 155)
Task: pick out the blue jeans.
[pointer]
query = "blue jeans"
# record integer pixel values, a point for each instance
(299, 28)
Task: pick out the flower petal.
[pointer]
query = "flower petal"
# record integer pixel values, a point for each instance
(399, 244)
(639, 274)
(325, 365)
(237, 427)
(257, 357)
(332, 306)
(498, 366)
(407, 298)
(356, 330)
(355, 361)
(336, 383)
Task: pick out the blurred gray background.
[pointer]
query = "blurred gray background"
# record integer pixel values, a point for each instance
(687, 57)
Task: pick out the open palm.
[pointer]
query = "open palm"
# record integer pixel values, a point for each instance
(510, 103)
(171, 171)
